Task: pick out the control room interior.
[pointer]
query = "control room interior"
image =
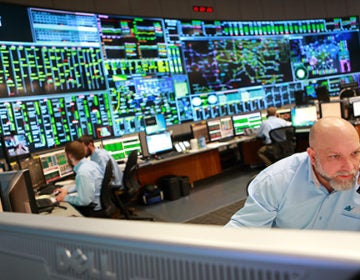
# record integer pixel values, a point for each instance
(185, 85)
(169, 103)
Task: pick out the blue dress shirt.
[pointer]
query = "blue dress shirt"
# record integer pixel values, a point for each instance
(287, 195)
(88, 181)
(101, 157)
(271, 123)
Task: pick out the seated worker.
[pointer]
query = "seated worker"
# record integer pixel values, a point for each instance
(316, 189)
(88, 180)
(272, 122)
(101, 157)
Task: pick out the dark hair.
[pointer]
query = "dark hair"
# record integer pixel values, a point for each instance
(76, 149)
(86, 139)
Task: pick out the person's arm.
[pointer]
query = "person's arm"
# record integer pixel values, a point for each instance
(85, 187)
(260, 132)
(259, 209)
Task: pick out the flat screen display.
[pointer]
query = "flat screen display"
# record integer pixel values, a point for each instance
(155, 124)
(16, 145)
(303, 116)
(159, 143)
(220, 129)
(356, 109)
(330, 109)
(246, 121)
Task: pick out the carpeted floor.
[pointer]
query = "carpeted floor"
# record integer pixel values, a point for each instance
(218, 217)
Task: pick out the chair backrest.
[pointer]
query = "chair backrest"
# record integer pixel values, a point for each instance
(106, 196)
(130, 181)
(283, 141)
(347, 93)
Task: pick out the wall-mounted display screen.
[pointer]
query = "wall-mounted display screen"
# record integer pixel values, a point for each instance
(69, 73)
(155, 124)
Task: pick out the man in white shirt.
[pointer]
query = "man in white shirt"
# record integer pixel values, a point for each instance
(272, 122)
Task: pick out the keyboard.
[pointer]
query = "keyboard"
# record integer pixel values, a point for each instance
(45, 203)
(169, 154)
(49, 189)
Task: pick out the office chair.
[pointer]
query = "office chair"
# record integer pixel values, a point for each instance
(283, 142)
(106, 198)
(347, 93)
(126, 197)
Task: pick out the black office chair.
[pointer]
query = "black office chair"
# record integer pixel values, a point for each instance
(127, 197)
(283, 142)
(347, 93)
(106, 198)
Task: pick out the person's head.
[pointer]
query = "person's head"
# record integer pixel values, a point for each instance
(334, 150)
(271, 111)
(74, 152)
(88, 143)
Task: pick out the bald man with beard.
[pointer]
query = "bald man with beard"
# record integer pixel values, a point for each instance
(316, 189)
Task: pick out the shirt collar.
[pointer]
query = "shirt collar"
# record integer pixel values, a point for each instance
(312, 176)
(76, 167)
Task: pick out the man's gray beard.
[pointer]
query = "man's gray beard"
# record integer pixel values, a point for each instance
(336, 185)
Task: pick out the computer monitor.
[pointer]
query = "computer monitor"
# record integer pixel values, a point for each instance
(120, 148)
(55, 166)
(159, 143)
(322, 94)
(304, 116)
(130, 143)
(68, 248)
(16, 146)
(248, 121)
(199, 130)
(16, 192)
(34, 166)
(356, 109)
(220, 129)
(154, 124)
(330, 109)
(301, 97)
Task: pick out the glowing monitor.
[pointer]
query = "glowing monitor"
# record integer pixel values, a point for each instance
(16, 145)
(246, 121)
(155, 124)
(303, 116)
(120, 148)
(220, 129)
(159, 143)
(356, 109)
(330, 109)
(55, 166)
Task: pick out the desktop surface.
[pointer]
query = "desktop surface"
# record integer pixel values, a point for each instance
(112, 249)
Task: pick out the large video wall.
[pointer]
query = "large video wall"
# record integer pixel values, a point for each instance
(64, 74)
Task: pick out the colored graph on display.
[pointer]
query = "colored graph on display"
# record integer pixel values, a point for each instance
(66, 73)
